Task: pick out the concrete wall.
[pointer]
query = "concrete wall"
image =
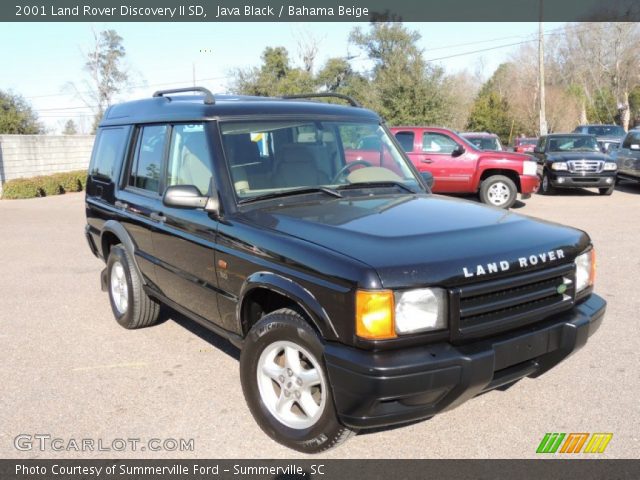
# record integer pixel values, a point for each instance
(32, 155)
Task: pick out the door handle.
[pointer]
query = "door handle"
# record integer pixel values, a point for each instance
(122, 205)
(157, 217)
(426, 160)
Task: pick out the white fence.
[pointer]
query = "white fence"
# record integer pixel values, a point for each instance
(24, 156)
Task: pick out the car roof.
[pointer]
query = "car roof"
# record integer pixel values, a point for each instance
(477, 134)
(570, 135)
(195, 108)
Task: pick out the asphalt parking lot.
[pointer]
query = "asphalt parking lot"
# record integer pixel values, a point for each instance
(70, 371)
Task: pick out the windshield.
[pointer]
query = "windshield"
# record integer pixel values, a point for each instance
(526, 141)
(286, 157)
(573, 143)
(606, 131)
(485, 143)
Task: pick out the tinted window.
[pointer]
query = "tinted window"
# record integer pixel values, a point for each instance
(437, 143)
(189, 159)
(631, 138)
(108, 150)
(147, 161)
(570, 143)
(406, 140)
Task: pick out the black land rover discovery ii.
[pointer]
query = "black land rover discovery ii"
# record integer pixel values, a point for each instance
(358, 299)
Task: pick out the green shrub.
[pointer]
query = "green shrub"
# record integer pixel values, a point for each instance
(21, 188)
(45, 185)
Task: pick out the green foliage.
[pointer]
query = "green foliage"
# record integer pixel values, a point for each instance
(45, 185)
(490, 113)
(603, 107)
(401, 86)
(17, 116)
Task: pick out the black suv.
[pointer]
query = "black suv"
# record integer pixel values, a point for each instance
(358, 299)
(573, 160)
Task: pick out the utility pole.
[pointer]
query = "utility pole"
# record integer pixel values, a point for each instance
(543, 119)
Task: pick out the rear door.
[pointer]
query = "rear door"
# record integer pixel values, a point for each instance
(140, 196)
(185, 239)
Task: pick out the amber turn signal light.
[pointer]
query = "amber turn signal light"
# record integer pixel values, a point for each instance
(374, 314)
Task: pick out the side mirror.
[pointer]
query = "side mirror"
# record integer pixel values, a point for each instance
(428, 178)
(188, 196)
(459, 150)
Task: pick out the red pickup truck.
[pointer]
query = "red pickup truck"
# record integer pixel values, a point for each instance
(458, 166)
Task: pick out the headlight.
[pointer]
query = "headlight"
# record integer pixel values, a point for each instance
(529, 168)
(585, 270)
(383, 314)
(420, 310)
(559, 166)
(610, 166)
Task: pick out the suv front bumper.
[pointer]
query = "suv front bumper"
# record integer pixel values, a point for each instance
(568, 180)
(375, 389)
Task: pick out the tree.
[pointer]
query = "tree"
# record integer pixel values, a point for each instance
(406, 89)
(107, 74)
(490, 112)
(17, 116)
(70, 128)
(274, 77)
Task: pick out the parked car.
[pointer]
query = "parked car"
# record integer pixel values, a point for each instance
(458, 166)
(627, 157)
(358, 299)
(524, 144)
(574, 160)
(484, 140)
(609, 136)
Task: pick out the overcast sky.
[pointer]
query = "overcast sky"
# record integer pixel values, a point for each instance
(39, 59)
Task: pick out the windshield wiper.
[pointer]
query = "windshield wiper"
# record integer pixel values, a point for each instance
(380, 184)
(292, 192)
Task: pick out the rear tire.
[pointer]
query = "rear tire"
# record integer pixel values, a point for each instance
(286, 386)
(131, 306)
(498, 191)
(606, 191)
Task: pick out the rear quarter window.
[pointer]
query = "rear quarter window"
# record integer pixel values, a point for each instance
(108, 152)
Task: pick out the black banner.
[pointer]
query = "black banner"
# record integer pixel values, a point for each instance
(317, 468)
(318, 10)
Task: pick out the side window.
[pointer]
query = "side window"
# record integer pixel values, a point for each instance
(406, 140)
(147, 160)
(107, 153)
(189, 158)
(437, 143)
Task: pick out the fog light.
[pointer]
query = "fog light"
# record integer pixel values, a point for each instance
(609, 180)
(560, 180)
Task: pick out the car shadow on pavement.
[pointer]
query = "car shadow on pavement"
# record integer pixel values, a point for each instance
(208, 336)
(572, 192)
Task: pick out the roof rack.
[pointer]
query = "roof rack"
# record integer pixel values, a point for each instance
(352, 101)
(208, 96)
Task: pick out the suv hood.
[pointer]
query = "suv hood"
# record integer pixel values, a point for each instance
(414, 240)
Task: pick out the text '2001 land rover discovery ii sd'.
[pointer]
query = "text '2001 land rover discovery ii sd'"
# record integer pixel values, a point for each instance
(358, 299)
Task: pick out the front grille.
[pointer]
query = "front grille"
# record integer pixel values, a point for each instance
(491, 307)
(585, 166)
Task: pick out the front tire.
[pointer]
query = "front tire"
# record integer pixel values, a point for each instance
(546, 188)
(498, 191)
(131, 306)
(286, 385)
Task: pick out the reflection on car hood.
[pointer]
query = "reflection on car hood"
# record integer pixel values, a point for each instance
(414, 240)
(568, 156)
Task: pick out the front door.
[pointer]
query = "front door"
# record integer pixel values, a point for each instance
(452, 173)
(184, 239)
